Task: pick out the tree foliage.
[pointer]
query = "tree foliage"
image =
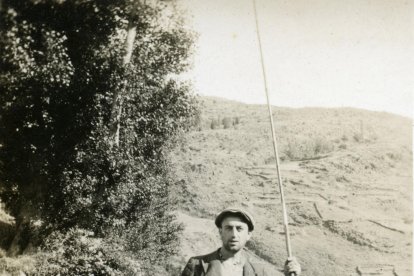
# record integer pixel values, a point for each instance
(60, 66)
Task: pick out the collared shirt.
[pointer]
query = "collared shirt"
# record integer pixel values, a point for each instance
(232, 266)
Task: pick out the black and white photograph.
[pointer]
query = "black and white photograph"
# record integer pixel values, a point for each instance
(206, 138)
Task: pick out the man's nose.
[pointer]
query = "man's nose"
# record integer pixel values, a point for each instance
(234, 232)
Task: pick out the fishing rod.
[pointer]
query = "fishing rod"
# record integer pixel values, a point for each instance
(282, 196)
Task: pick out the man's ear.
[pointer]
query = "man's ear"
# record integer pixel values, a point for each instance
(249, 235)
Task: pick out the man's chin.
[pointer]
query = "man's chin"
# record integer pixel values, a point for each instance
(233, 248)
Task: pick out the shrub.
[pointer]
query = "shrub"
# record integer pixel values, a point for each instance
(227, 122)
(342, 146)
(79, 252)
(22, 265)
(307, 148)
(236, 120)
(321, 146)
(271, 160)
(214, 124)
(357, 137)
(396, 156)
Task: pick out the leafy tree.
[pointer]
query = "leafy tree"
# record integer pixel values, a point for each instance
(227, 122)
(214, 124)
(86, 120)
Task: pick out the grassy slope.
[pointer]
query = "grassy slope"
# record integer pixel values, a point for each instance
(347, 177)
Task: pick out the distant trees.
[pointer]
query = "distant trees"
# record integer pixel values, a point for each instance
(83, 132)
(226, 122)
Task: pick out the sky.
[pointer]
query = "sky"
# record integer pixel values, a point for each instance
(328, 53)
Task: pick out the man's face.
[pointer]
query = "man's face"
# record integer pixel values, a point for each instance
(234, 233)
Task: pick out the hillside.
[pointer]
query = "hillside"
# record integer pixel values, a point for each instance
(347, 175)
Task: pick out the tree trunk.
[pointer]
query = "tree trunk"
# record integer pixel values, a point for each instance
(117, 100)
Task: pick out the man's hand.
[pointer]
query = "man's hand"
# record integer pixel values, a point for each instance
(292, 266)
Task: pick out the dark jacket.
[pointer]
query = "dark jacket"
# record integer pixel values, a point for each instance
(200, 265)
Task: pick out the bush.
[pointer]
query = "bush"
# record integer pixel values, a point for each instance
(78, 252)
(321, 146)
(236, 120)
(342, 146)
(214, 124)
(357, 137)
(396, 156)
(227, 122)
(17, 266)
(307, 148)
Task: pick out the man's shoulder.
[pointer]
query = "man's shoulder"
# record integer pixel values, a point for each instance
(197, 265)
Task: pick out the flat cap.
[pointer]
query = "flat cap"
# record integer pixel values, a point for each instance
(245, 216)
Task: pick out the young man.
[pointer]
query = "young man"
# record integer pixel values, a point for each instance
(232, 259)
